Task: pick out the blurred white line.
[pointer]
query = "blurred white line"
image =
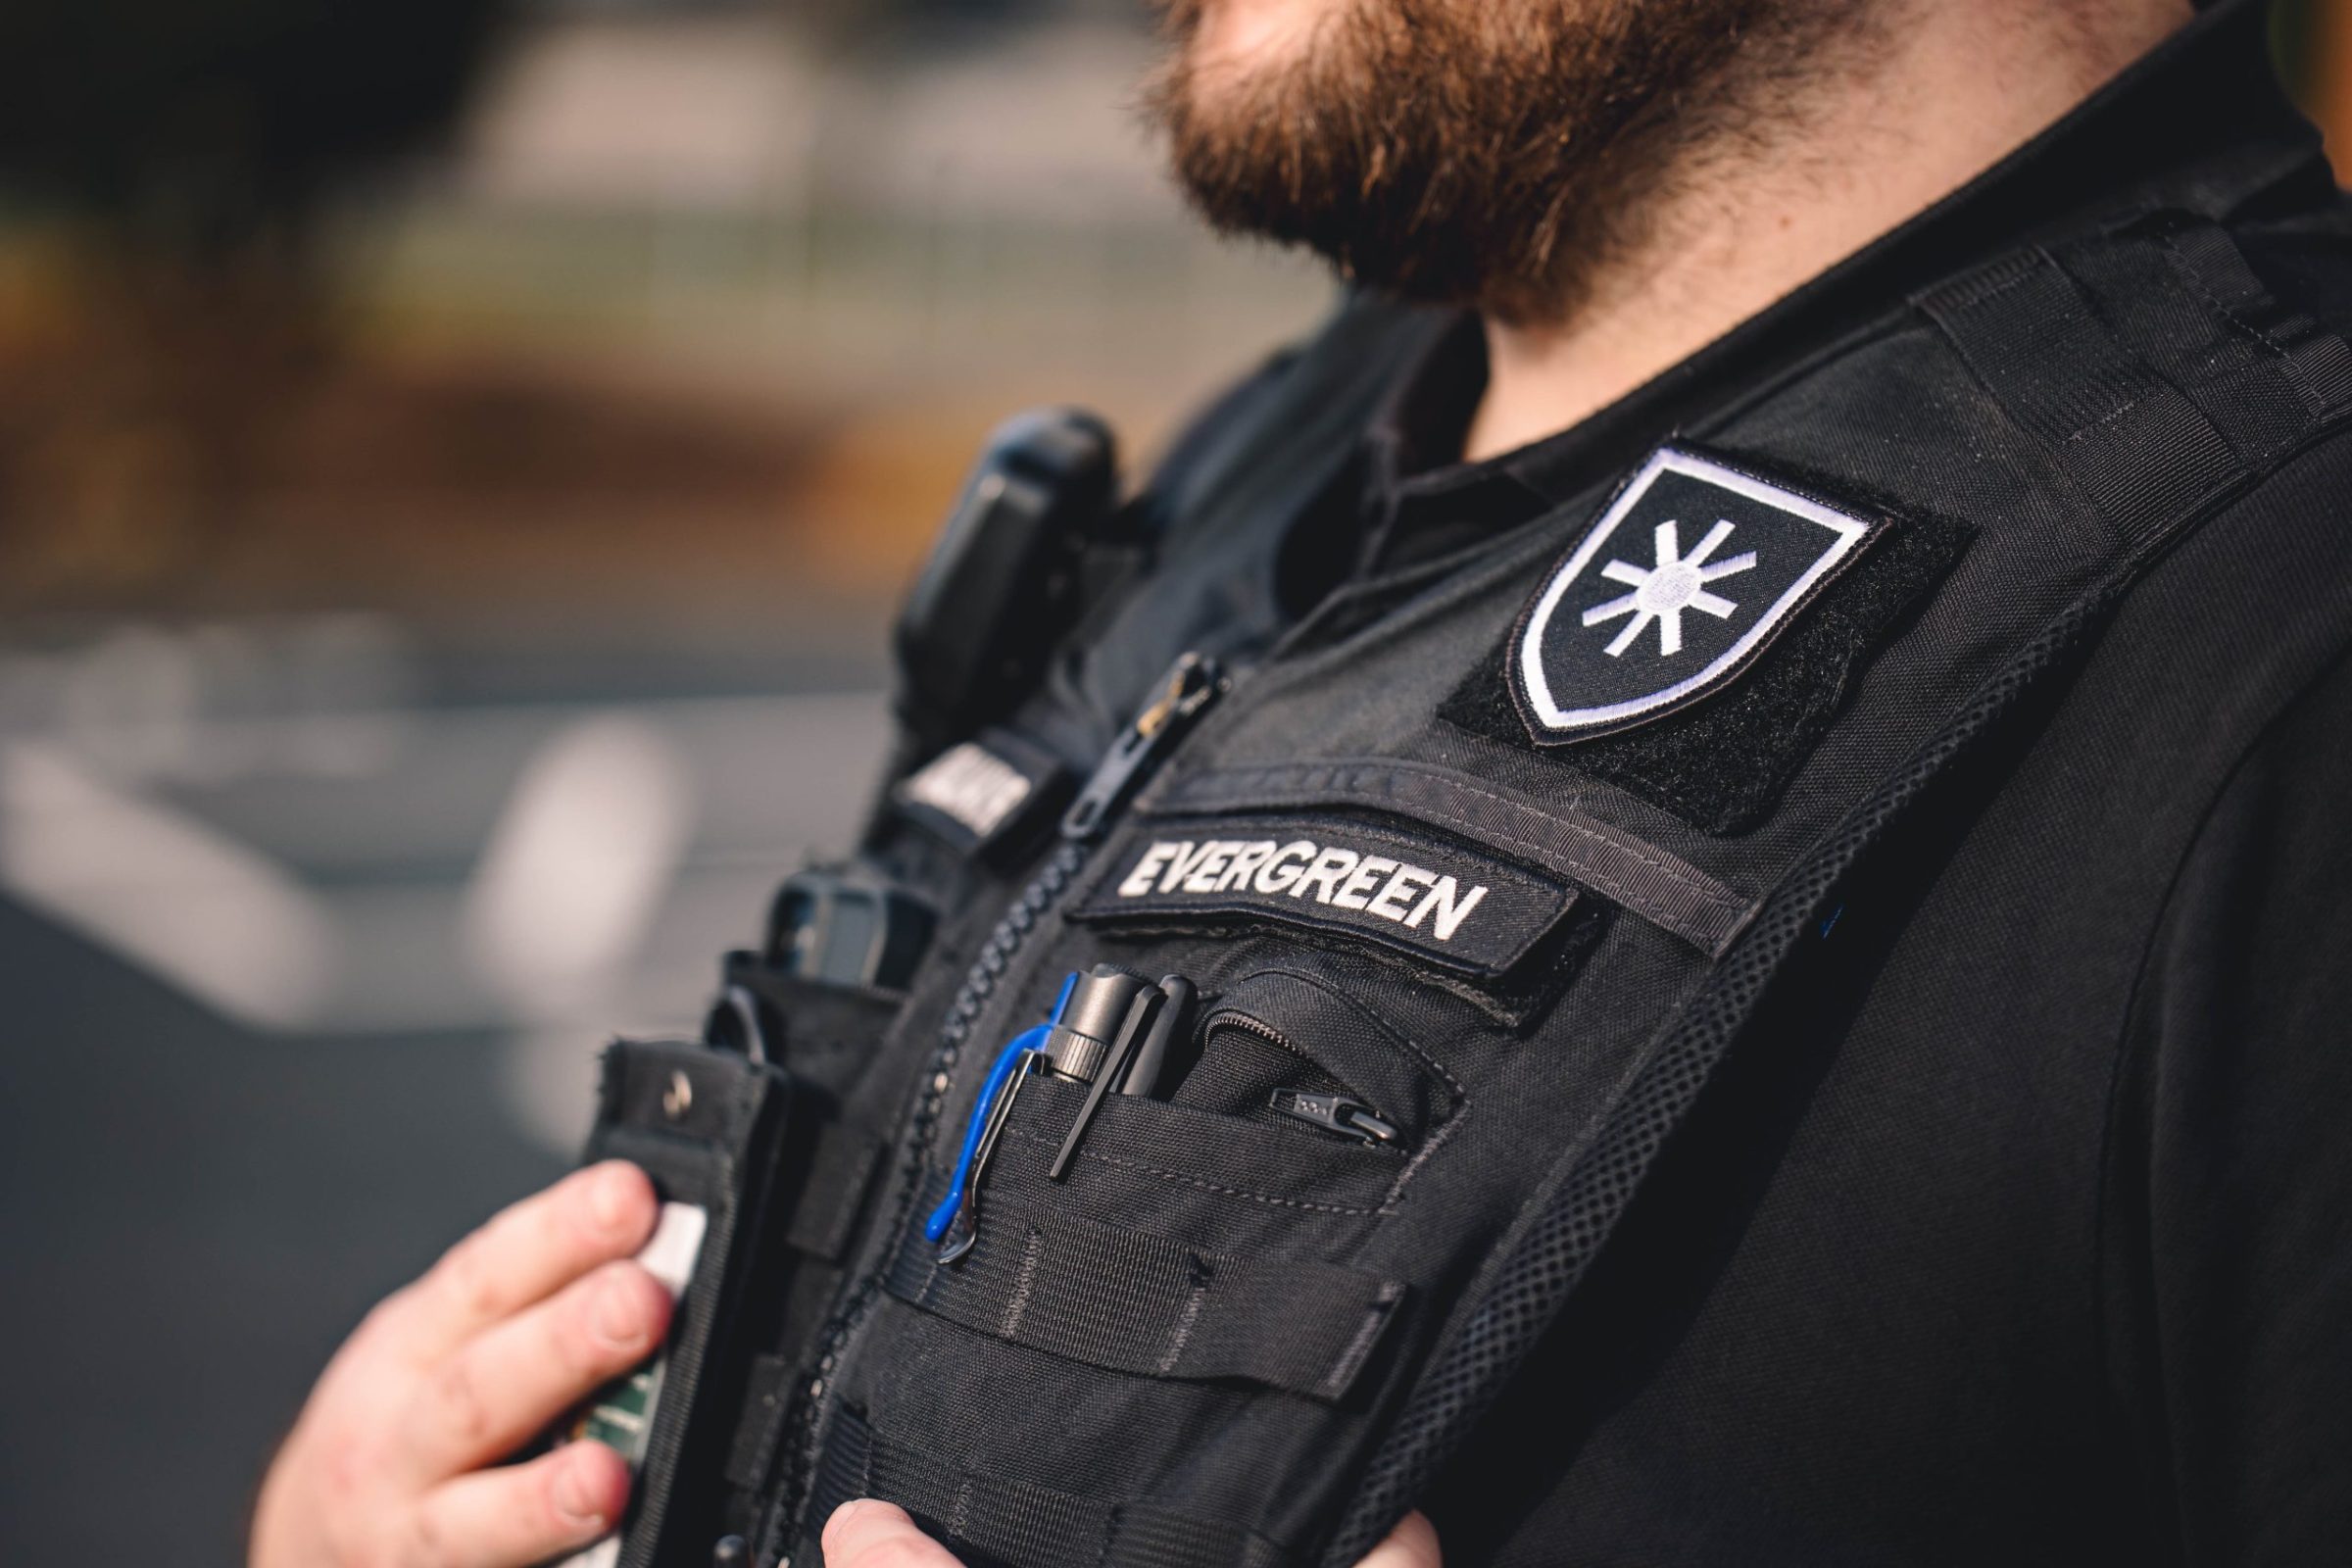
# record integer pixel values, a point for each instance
(613, 852)
(578, 865)
(162, 889)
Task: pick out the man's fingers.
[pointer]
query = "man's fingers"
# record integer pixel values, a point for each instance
(527, 1252)
(482, 1402)
(868, 1533)
(520, 1515)
(1413, 1543)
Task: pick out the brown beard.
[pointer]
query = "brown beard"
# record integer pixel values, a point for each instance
(1491, 153)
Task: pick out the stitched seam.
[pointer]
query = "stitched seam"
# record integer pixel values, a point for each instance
(1018, 1307)
(1205, 1186)
(2289, 365)
(1352, 791)
(959, 1527)
(1191, 1315)
(1655, 860)
(2108, 419)
(2024, 275)
(2212, 297)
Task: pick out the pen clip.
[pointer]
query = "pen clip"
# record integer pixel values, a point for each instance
(1000, 1074)
(1142, 1013)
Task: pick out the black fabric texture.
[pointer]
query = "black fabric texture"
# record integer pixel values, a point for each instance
(2011, 1249)
(1139, 1303)
(1722, 763)
(994, 1520)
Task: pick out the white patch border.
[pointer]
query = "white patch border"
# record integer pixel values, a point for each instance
(1546, 710)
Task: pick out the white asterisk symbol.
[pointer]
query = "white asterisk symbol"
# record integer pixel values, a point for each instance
(1662, 593)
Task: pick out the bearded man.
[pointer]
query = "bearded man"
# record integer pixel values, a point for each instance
(1745, 840)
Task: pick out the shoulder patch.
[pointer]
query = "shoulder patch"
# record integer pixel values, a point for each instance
(1678, 588)
(1721, 766)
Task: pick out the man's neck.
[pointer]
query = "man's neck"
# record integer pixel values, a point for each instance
(1943, 93)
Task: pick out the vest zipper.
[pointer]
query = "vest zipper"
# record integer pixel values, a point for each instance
(1187, 691)
(1250, 1025)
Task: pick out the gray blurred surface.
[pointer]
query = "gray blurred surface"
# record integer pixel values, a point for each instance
(198, 1206)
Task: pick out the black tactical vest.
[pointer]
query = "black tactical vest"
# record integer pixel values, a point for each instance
(1466, 944)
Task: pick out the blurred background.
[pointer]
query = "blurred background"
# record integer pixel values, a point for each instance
(457, 461)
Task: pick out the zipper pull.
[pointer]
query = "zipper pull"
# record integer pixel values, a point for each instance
(1334, 1113)
(1191, 684)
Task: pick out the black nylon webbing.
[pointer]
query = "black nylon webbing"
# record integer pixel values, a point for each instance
(2317, 362)
(2151, 362)
(2140, 451)
(841, 1167)
(1019, 1521)
(1140, 1304)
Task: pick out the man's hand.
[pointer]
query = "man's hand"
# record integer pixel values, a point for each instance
(394, 1461)
(868, 1533)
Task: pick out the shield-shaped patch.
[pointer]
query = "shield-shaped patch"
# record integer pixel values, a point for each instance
(1680, 585)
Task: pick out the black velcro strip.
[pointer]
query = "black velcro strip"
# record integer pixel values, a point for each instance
(1661, 888)
(1131, 1302)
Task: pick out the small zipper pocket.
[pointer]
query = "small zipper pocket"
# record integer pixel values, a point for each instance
(1289, 1047)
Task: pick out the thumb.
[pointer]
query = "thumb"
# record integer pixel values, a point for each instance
(1413, 1543)
(879, 1534)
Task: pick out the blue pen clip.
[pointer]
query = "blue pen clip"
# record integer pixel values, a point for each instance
(1002, 1074)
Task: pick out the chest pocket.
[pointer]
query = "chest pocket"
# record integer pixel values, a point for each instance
(1195, 1238)
(1287, 1048)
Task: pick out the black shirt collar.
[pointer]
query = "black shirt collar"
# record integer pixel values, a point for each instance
(2200, 123)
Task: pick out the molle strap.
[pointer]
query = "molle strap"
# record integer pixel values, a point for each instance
(1131, 1302)
(1000, 1519)
(2140, 451)
(2311, 359)
(2149, 363)
(2180, 293)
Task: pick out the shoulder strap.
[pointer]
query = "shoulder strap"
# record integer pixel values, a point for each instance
(1291, 426)
(2150, 368)
(2151, 364)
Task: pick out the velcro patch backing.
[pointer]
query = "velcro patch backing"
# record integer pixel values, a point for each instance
(1449, 905)
(1721, 764)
